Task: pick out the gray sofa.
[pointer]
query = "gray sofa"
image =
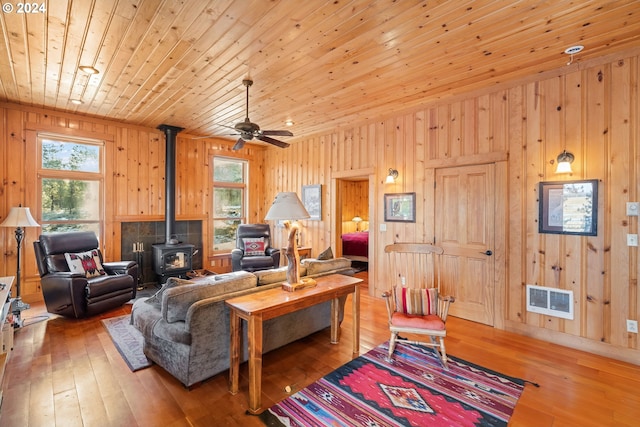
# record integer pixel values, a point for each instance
(185, 325)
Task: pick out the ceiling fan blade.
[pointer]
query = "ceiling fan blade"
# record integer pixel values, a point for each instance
(276, 132)
(275, 142)
(238, 145)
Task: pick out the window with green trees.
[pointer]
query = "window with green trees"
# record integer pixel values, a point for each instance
(70, 175)
(229, 200)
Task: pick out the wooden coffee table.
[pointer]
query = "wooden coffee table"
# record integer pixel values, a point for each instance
(260, 306)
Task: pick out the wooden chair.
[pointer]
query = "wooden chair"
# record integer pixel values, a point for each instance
(414, 305)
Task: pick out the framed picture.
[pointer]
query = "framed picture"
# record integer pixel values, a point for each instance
(312, 200)
(569, 207)
(400, 207)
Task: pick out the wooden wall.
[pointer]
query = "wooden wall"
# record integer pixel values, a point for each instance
(353, 201)
(591, 109)
(133, 186)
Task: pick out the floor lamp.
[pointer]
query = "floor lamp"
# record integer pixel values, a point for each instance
(288, 207)
(19, 217)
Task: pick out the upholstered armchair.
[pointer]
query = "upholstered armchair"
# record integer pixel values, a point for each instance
(75, 280)
(253, 249)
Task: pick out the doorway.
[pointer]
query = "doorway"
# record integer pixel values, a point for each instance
(353, 197)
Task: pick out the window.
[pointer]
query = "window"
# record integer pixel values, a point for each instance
(70, 176)
(229, 201)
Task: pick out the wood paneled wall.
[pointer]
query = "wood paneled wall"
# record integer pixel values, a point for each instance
(354, 201)
(133, 185)
(591, 109)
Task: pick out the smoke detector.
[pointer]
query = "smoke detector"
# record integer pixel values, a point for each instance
(572, 51)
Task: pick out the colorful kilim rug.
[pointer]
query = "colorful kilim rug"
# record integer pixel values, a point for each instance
(412, 390)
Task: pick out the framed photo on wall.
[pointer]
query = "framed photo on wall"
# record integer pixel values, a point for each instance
(569, 207)
(312, 200)
(400, 207)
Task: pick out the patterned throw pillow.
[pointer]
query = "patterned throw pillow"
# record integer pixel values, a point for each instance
(87, 263)
(416, 301)
(253, 246)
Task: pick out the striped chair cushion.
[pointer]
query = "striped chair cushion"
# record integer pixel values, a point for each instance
(416, 301)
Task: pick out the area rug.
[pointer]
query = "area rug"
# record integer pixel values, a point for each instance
(128, 340)
(412, 390)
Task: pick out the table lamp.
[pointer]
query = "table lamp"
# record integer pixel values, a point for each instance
(357, 220)
(288, 207)
(19, 217)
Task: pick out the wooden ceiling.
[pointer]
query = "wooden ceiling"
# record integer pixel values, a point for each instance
(323, 64)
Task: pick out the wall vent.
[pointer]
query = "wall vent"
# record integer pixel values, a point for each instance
(550, 301)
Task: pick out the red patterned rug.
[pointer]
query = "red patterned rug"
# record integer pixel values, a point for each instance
(412, 390)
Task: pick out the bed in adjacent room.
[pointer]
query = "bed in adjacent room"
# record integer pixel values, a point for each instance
(355, 246)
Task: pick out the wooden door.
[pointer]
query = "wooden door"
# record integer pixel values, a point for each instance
(464, 214)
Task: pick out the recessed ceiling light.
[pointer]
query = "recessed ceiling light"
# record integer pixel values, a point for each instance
(77, 101)
(88, 69)
(289, 122)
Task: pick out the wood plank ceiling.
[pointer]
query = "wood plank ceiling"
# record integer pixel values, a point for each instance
(322, 64)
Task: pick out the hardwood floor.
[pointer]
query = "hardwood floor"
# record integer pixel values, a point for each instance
(68, 373)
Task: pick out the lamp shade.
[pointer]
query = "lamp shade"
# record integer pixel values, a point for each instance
(287, 206)
(564, 167)
(564, 162)
(356, 219)
(19, 217)
(391, 178)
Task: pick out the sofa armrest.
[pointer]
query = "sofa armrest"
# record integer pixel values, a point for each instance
(119, 267)
(274, 253)
(64, 293)
(236, 257)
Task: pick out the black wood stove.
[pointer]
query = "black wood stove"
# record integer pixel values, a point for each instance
(171, 258)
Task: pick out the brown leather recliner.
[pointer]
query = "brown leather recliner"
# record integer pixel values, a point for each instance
(74, 294)
(265, 257)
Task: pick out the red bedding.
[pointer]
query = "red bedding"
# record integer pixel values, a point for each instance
(356, 243)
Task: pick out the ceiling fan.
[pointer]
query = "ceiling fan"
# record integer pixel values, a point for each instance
(248, 130)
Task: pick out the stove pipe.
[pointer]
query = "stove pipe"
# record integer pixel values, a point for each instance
(170, 133)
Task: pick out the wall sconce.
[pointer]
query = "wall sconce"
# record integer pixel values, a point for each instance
(357, 220)
(564, 162)
(391, 178)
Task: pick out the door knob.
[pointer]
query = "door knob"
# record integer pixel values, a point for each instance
(487, 252)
